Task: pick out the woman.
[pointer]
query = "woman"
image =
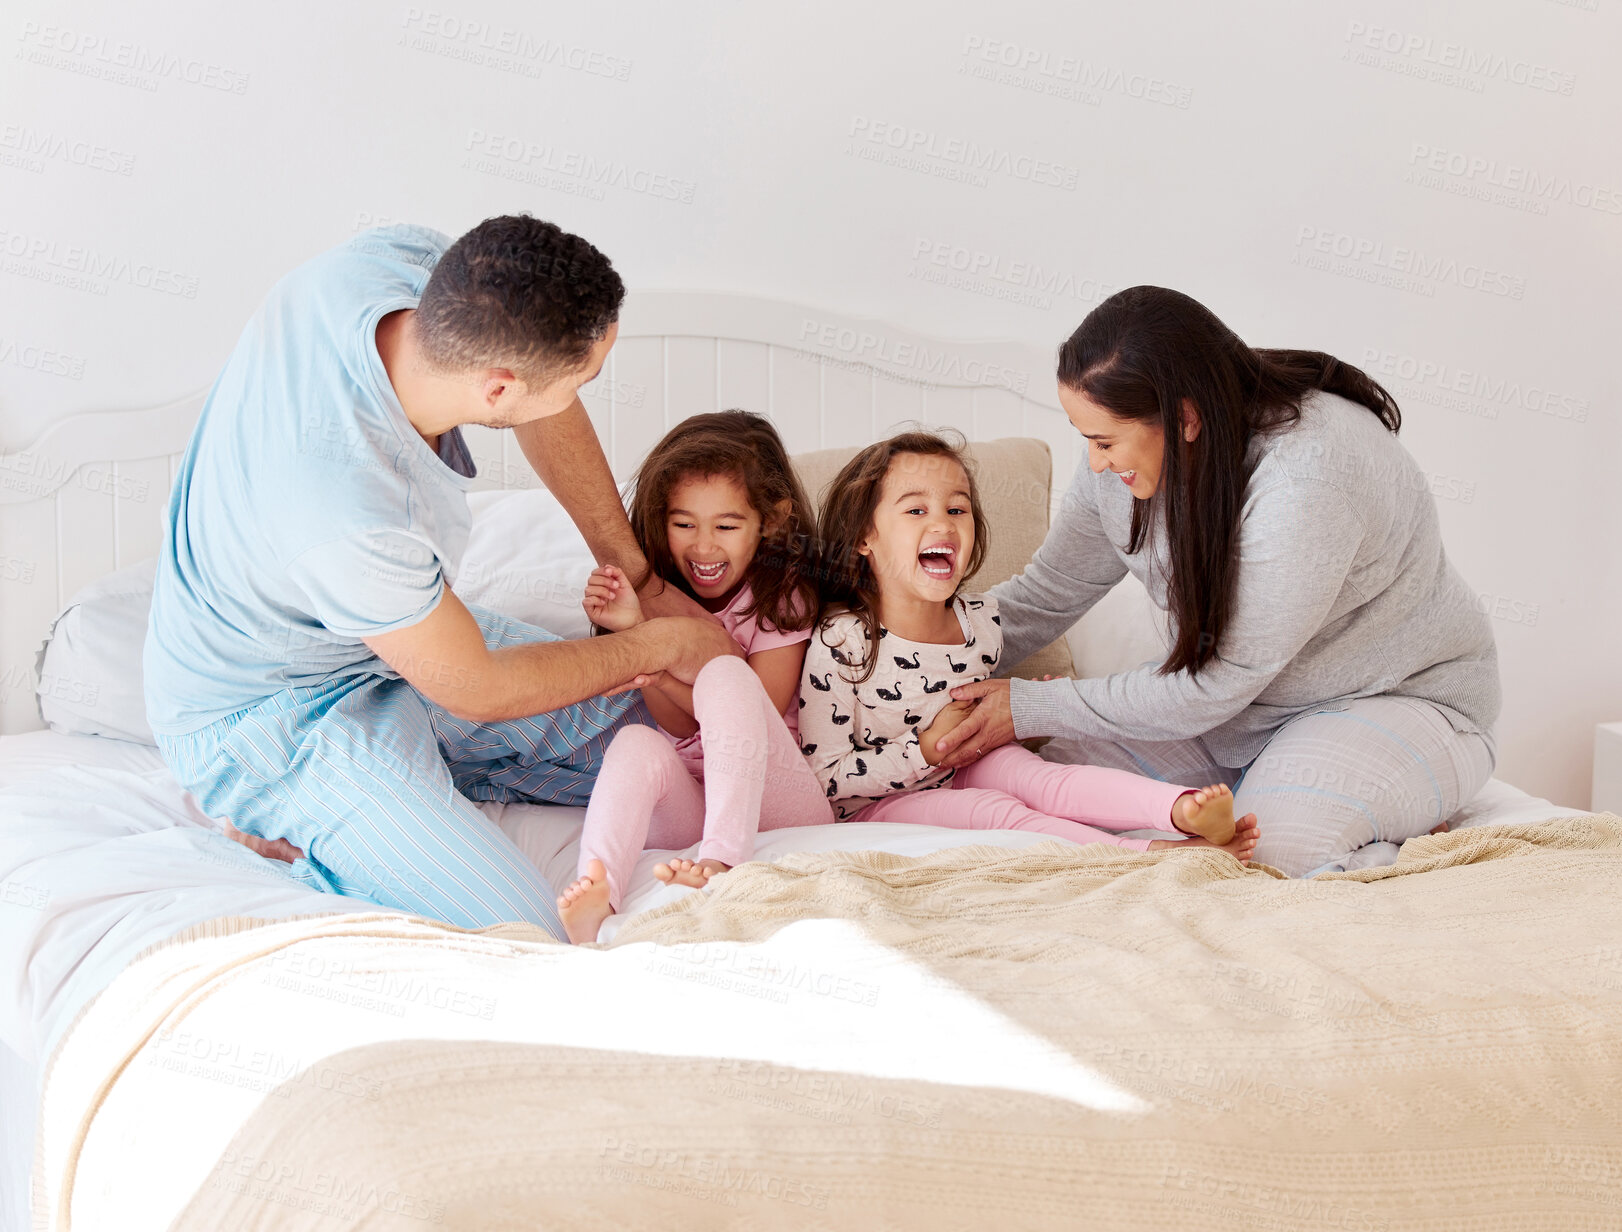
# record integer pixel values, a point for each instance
(1326, 659)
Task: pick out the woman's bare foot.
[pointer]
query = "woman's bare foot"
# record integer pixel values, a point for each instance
(583, 906)
(1241, 847)
(689, 872)
(270, 848)
(1207, 812)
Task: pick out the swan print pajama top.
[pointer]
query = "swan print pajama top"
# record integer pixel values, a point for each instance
(862, 740)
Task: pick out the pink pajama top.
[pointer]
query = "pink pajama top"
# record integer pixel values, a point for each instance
(754, 636)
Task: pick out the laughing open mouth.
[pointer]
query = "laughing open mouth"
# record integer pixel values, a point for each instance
(939, 560)
(708, 574)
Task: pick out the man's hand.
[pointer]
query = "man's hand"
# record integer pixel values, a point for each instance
(443, 656)
(659, 598)
(686, 645)
(950, 716)
(610, 603)
(988, 726)
(648, 680)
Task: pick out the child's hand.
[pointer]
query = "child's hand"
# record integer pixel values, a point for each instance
(950, 716)
(610, 601)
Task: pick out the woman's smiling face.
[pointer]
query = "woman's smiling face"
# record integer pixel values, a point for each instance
(1134, 449)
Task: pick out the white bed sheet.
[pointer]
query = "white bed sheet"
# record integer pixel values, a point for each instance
(102, 855)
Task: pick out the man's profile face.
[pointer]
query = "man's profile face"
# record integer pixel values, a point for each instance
(510, 402)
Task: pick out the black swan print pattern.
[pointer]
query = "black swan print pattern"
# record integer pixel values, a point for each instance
(859, 762)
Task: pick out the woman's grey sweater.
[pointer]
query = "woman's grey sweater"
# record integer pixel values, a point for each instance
(1343, 591)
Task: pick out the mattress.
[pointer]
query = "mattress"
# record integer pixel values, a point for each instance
(104, 856)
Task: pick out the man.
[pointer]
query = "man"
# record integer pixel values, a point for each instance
(311, 674)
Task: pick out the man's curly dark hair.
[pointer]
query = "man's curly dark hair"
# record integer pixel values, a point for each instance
(516, 292)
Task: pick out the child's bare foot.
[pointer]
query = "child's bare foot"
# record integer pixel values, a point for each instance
(1207, 812)
(689, 872)
(1241, 847)
(583, 906)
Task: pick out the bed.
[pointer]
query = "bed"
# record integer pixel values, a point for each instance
(936, 1030)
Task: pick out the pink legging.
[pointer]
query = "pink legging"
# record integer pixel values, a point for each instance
(1011, 788)
(646, 798)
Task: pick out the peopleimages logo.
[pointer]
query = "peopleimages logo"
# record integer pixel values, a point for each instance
(941, 365)
(1396, 265)
(86, 269)
(905, 145)
(43, 360)
(127, 63)
(1489, 391)
(1423, 53)
(974, 269)
(1490, 174)
(38, 146)
(515, 158)
(1064, 76)
(502, 47)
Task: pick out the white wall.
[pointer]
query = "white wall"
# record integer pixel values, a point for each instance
(207, 149)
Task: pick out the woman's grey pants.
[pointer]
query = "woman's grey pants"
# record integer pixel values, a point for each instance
(1333, 789)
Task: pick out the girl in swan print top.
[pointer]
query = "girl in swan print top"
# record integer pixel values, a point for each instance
(869, 734)
(901, 528)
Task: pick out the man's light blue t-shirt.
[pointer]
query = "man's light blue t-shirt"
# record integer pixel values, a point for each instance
(308, 513)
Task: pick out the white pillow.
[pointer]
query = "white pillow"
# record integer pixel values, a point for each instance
(527, 560)
(524, 559)
(90, 668)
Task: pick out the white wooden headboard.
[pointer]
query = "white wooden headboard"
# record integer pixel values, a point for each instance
(88, 496)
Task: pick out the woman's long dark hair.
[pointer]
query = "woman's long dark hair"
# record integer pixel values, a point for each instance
(848, 581)
(1139, 355)
(745, 447)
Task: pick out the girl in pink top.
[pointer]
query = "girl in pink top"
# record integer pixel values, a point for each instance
(718, 512)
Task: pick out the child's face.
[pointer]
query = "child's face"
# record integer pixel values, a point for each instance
(713, 533)
(923, 529)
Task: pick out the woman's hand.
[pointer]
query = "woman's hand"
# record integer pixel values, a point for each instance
(610, 603)
(989, 725)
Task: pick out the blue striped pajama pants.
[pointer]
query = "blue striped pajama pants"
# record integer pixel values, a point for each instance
(1337, 788)
(376, 784)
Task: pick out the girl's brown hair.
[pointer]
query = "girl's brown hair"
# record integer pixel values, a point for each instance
(849, 583)
(745, 447)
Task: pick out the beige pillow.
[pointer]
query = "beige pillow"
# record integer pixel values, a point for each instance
(1015, 476)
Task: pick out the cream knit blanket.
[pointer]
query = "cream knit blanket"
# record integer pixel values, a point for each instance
(1055, 1037)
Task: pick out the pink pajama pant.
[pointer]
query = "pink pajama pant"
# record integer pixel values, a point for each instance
(754, 779)
(1011, 788)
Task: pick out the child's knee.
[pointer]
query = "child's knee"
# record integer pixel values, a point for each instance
(721, 677)
(637, 744)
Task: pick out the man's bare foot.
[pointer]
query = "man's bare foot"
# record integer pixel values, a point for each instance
(689, 872)
(583, 906)
(1207, 812)
(1241, 848)
(270, 848)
